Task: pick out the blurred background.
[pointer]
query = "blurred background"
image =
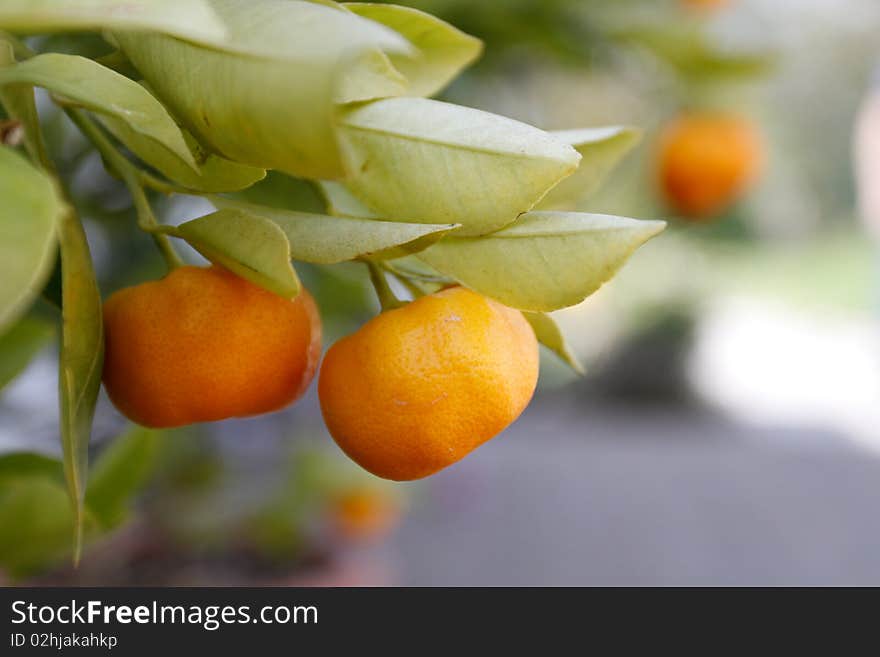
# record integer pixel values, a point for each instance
(727, 431)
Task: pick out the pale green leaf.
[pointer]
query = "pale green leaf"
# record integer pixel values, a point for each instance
(413, 159)
(443, 50)
(264, 29)
(272, 111)
(18, 101)
(213, 173)
(549, 334)
(342, 202)
(251, 246)
(82, 356)
(601, 150)
(369, 77)
(20, 343)
(188, 19)
(324, 239)
(278, 190)
(85, 83)
(546, 260)
(29, 211)
(120, 472)
(414, 268)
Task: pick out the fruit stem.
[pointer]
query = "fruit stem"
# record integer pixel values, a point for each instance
(414, 288)
(131, 177)
(387, 298)
(157, 184)
(27, 113)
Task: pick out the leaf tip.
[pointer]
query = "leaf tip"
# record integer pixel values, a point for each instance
(577, 366)
(655, 227)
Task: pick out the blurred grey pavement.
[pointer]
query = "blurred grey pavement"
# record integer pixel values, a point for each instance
(617, 495)
(587, 491)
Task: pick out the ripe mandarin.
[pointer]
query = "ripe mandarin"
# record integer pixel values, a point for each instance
(203, 344)
(419, 387)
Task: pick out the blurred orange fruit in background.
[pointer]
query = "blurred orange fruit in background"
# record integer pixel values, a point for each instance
(706, 161)
(705, 4)
(364, 514)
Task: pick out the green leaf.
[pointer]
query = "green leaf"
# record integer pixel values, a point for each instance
(694, 53)
(85, 83)
(324, 239)
(249, 245)
(192, 19)
(413, 159)
(35, 512)
(28, 464)
(414, 268)
(268, 95)
(82, 356)
(341, 202)
(20, 343)
(29, 213)
(35, 523)
(278, 190)
(601, 150)
(120, 472)
(18, 101)
(443, 50)
(546, 260)
(369, 77)
(548, 333)
(213, 173)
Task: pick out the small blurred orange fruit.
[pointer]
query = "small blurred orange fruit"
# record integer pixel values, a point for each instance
(704, 5)
(708, 161)
(364, 515)
(203, 344)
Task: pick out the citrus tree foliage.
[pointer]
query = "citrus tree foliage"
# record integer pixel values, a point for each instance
(205, 97)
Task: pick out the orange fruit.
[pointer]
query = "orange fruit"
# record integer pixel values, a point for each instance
(419, 387)
(203, 344)
(708, 161)
(363, 515)
(705, 4)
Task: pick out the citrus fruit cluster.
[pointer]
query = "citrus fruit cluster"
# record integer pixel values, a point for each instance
(414, 390)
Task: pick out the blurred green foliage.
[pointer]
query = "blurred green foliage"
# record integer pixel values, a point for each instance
(36, 517)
